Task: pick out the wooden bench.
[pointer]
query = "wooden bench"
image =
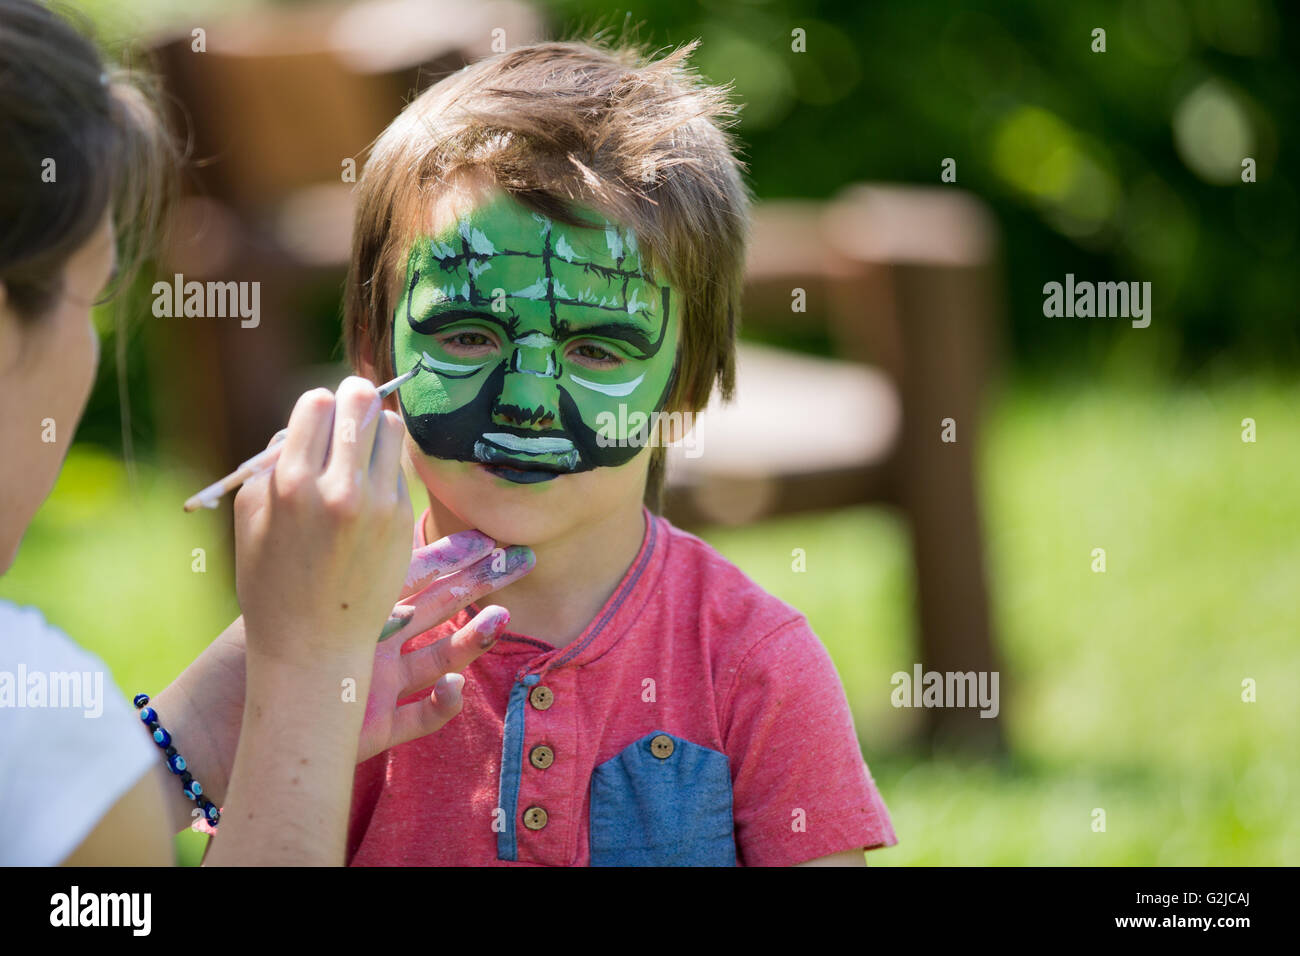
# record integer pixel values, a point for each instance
(905, 280)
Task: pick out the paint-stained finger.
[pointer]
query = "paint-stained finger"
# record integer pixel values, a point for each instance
(454, 653)
(398, 619)
(432, 712)
(448, 595)
(445, 556)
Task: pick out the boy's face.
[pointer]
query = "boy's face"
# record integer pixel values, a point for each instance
(543, 351)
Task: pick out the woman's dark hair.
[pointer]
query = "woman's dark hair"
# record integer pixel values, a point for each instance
(76, 139)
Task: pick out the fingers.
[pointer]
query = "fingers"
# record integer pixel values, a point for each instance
(398, 619)
(455, 552)
(452, 553)
(386, 459)
(448, 595)
(308, 438)
(403, 496)
(251, 496)
(455, 653)
(356, 419)
(430, 714)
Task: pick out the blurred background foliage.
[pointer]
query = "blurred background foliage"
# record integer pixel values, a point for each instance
(1117, 166)
(1123, 165)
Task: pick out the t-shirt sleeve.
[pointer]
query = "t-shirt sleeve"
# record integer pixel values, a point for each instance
(71, 745)
(800, 788)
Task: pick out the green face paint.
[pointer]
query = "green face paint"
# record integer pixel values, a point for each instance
(544, 348)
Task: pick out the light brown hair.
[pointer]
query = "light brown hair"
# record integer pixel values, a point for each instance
(644, 141)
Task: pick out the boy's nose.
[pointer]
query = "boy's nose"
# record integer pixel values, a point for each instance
(529, 360)
(530, 396)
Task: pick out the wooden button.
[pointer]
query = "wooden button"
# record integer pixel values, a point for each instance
(662, 746)
(541, 697)
(541, 756)
(534, 818)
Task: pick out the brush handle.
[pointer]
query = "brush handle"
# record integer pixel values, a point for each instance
(262, 461)
(209, 496)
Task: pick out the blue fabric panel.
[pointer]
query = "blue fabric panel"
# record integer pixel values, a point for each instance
(512, 759)
(647, 811)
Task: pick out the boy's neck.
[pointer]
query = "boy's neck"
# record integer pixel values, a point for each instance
(573, 578)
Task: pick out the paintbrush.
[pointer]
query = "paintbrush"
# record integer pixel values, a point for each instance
(209, 496)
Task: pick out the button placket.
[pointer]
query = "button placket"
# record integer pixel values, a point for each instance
(550, 795)
(540, 698)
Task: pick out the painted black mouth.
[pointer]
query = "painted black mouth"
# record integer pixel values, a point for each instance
(490, 453)
(523, 476)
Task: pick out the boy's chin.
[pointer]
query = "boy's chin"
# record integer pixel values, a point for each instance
(514, 512)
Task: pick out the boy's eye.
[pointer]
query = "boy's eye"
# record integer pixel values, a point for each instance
(468, 342)
(593, 356)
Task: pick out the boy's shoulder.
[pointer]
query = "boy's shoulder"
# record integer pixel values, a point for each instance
(734, 613)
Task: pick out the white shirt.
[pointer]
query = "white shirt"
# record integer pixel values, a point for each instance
(70, 744)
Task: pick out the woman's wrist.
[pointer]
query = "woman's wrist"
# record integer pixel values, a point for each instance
(305, 660)
(291, 786)
(308, 698)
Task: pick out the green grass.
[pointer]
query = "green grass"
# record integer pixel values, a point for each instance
(1127, 684)
(1123, 688)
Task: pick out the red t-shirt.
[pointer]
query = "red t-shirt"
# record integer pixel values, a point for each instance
(697, 720)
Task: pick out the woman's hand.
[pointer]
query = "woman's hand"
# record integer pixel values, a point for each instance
(322, 541)
(204, 706)
(206, 703)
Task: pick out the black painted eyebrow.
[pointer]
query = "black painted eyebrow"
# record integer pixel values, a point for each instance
(439, 320)
(634, 335)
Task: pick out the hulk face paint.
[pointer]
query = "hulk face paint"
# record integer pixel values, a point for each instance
(544, 349)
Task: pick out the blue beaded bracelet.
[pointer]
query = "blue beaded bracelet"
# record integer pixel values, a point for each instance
(175, 762)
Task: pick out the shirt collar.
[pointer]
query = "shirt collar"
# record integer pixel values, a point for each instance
(611, 621)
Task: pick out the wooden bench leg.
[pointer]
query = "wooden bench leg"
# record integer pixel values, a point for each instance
(944, 317)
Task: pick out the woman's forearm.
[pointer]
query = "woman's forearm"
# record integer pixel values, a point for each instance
(291, 784)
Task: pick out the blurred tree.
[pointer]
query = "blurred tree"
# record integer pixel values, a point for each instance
(1116, 165)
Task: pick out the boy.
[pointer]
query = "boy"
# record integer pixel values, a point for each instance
(555, 237)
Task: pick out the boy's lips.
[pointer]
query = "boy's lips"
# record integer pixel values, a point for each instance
(557, 462)
(520, 475)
